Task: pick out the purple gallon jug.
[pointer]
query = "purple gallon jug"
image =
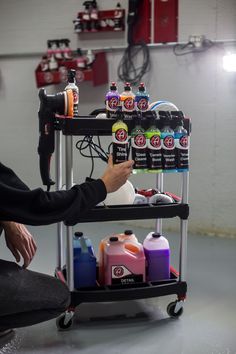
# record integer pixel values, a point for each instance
(157, 253)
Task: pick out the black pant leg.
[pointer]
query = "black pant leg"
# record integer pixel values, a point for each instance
(28, 297)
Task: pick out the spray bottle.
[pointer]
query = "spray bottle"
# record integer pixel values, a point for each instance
(153, 137)
(139, 146)
(127, 100)
(141, 98)
(66, 50)
(120, 140)
(112, 101)
(167, 143)
(52, 63)
(80, 60)
(118, 18)
(72, 86)
(181, 142)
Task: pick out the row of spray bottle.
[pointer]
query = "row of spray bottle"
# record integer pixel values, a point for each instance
(127, 101)
(126, 105)
(153, 150)
(161, 150)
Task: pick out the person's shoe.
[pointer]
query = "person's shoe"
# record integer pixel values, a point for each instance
(5, 332)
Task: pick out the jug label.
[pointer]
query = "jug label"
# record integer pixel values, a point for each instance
(121, 275)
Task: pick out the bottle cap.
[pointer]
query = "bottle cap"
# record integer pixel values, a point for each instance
(113, 86)
(127, 86)
(94, 4)
(165, 117)
(66, 41)
(128, 232)
(71, 75)
(164, 114)
(141, 87)
(177, 114)
(113, 239)
(179, 121)
(156, 234)
(78, 234)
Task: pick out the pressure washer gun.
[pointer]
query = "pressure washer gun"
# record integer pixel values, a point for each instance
(61, 104)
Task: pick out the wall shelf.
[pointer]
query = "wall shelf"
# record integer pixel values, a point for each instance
(97, 74)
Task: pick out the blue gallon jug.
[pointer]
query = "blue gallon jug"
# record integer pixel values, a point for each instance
(84, 262)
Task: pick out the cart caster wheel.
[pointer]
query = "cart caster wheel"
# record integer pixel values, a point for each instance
(63, 322)
(173, 311)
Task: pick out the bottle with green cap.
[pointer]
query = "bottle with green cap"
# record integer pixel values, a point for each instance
(154, 149)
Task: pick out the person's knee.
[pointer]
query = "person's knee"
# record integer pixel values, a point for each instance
(63, 296)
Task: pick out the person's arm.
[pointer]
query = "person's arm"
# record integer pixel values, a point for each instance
(37, 207)
(19, 241)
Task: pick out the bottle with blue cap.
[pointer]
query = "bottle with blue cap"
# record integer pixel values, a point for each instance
(141, 98)
(181, 142)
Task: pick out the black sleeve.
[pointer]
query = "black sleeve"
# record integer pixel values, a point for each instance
(37, 207)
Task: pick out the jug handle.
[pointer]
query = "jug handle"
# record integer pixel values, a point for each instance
(132, 249)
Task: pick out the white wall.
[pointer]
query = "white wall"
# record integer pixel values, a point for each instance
(196, 83)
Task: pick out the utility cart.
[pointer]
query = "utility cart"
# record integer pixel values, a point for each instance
(66, 129)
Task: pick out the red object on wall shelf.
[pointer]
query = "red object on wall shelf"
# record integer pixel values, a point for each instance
(166, 21)
(142, 26)
(107, 22)
(98, 73)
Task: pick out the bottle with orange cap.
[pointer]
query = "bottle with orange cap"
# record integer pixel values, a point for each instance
(127, 98)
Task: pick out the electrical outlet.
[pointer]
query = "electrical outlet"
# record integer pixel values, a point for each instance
(197, 40)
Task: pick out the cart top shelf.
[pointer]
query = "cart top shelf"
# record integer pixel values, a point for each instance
(91, 125)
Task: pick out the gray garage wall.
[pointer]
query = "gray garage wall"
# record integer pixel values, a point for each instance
(196, 83)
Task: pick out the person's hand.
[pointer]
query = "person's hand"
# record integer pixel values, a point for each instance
(116, 175)
(19, 241)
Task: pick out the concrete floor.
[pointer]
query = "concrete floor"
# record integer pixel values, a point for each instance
(207, 326)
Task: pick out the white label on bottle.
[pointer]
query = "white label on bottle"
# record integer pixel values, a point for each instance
(119, 271)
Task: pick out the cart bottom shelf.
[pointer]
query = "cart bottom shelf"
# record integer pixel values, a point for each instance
(127, 292)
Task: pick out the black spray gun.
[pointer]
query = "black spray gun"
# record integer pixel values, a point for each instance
(62, 104)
